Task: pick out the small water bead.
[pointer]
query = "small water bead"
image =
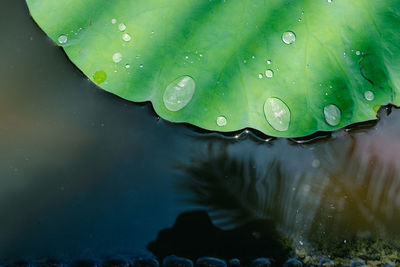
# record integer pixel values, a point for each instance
(179, 93)
(141, 66)
(126, 37)
(122, 27)
(332, 115)
(113, 21)
(260, 76)
(269, 73)
(127, 66)
(117, 57)
(62, 39)
(358, 53)
(221, 121)
(369, 95)
(288, 37)
(330, 1)
(277, 114)
(269, 62)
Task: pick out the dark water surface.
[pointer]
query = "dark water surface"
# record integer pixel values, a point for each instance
(85, 174)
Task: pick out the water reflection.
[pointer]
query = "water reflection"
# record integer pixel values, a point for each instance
(342, 200)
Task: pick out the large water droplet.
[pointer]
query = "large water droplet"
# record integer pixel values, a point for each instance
(62, 39)
(99, 77)
(332, 114)
(221, 121)
(369, 95)
(289, 37)
(277, 114)
(179, 93)
(117, 57)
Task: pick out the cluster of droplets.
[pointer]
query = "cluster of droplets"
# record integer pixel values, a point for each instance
(288, 38)
(180, 92)
(126, 37)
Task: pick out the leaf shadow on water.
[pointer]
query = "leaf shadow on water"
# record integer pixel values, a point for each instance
(345, 204)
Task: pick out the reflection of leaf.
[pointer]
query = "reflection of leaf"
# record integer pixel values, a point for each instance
(236, 190)
(226, 65)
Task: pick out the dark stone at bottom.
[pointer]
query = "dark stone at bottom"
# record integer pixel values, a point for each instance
(326, 262)
(174, 261)
(115, 263)
(145, 262)
(84, 263)
(293, 263)
(261, 262)
(210, 262)
(234, 263)
(49, 263)
(354, 263)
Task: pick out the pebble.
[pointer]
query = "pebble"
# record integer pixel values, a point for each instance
(261, 262)
(145, 262)
(293, 263)
(174, 261)
(210, 262)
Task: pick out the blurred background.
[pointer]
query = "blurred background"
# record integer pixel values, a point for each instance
(85, 174)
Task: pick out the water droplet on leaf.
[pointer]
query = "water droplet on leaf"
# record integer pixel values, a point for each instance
(221, 121)
(277, 114)
(332, 114)
(179, 93)
(369, 95)
(62, 39)
(126, 37)
(117, 57)
(122, 27)
(269, 73)
(289, 37)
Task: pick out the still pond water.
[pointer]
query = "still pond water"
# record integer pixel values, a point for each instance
(85, 174)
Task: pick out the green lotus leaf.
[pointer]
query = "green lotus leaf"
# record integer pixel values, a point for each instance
(286, 68)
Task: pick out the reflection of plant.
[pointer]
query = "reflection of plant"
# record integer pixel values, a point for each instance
(231, 187)
(354, 195)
